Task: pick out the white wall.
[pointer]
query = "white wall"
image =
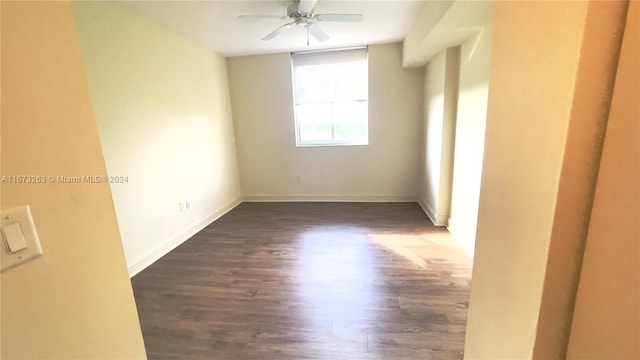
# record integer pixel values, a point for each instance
(471, 119)
(271, 166)
(164, 117)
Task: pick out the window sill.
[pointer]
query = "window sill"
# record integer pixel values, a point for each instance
(332, 144)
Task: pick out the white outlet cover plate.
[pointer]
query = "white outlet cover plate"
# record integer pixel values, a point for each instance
(21, 215)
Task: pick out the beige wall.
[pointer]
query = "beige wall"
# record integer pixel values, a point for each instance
(606, 321)
(271, 166)
(164, 117)
(454, 125)
(532, 79)
(583, 147)
(471, 118)
(434, 82)
(75, 301)
(543, 92)
(439, 125)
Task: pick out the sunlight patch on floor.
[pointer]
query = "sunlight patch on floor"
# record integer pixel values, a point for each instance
(421, 249)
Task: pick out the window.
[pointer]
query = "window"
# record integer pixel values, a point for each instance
(331, 97)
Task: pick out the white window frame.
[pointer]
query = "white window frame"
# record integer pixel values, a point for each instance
(327, 54)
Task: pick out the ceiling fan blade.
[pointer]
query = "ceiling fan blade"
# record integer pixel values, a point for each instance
(306, 6)
(262, 17)
(277, 31)
(317, 32)
(340, 17)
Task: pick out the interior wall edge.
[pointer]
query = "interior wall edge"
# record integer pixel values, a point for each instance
(583, 150)
(453, 226)
(450, 115)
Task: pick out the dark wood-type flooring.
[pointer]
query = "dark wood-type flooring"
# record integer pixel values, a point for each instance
(309, 281)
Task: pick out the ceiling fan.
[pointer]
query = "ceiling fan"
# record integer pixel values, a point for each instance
(302, 14)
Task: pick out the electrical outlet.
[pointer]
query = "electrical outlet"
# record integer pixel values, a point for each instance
(182, 207)
(187, 204)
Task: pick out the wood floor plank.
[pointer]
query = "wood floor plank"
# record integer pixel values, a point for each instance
(309, 281)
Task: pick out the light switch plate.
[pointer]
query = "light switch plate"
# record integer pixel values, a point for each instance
(18, 222)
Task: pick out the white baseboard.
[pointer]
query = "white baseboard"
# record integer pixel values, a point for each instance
(330, 198)
(441, 220)
(437, 220)
(427, 210)
(164, 249)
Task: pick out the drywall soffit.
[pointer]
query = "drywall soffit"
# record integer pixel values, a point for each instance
(460, 22)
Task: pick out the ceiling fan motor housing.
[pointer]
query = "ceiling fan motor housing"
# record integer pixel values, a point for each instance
(292, 12)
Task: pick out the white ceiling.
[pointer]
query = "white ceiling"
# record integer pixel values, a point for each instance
(215, 24)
